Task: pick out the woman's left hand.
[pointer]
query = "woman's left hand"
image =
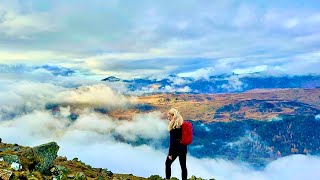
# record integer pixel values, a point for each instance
(170, 157)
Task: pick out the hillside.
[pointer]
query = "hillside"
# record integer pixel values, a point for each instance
(258, 104)
(42, 163)
(257, 142)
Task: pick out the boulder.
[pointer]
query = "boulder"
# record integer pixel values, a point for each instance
(46, 154)
(80, 176)
(10, 158)
(60, 177)
(59, 170)
(195, 178)
(107, 172)
(13, 160)
(16, 166)
(155, 177)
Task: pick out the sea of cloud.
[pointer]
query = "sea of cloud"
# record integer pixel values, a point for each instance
(89, 138)
(25, 120)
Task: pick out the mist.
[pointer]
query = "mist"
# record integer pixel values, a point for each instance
(92, 136)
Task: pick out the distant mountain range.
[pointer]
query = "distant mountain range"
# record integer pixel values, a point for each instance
(256, 126)
(258, 104)
(218, 84)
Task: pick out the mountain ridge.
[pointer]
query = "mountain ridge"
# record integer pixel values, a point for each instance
(42, 163)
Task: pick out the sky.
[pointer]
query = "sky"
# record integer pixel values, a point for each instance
(146, 38)
(47, 48)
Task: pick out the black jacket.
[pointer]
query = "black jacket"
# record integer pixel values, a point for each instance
(175, 146)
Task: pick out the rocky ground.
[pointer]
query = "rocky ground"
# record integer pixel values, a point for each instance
(42, 162)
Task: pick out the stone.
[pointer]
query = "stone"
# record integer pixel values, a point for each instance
(59, 170)
(61, 158)
(5, 174)
(195, 178)
(155, 177)
(10, 158)
(71, 175)
(15, 148)
(46, 153)
(80, 176)
(16, 166)
(107, 172)
(60, 177)
(12, 148)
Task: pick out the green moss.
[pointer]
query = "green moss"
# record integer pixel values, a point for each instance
(5, 152)
(28, 159)
(155, 177)
(37, 174)
(4, 165)
(80, 176)
(20, 175)
(46, 153)
(90, 173)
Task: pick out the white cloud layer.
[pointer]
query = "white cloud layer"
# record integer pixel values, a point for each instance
(89, 139)
(98, 95)
(91, 136)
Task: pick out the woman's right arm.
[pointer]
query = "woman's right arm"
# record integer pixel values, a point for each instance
(172, 142)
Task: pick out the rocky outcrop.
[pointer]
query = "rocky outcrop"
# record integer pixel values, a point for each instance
(46, 154)
(42, 163)
(13, 160)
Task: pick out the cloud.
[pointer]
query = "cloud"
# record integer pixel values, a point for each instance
(94, 137)
(254, 33)
(90, 140)
(177, 80)
(170, 89)
(148, 126)
(144, 66)
(18, 97)
(23, 25)
(52, 74)
(98, 95)
(234, 84)
(25, 88)
(248, 70)
(200, 73)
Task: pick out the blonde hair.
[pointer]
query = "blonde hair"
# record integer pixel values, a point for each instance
(177, 119)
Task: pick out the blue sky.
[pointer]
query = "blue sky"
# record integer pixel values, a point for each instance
(48, 47)
(134, 38)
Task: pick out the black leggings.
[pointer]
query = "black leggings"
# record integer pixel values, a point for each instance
(182, 160)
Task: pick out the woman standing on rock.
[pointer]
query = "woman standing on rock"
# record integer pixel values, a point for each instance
(176, 148)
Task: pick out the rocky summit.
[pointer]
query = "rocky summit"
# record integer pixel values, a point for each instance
(42, 163)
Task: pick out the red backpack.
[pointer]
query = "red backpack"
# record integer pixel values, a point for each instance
(186, 133)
